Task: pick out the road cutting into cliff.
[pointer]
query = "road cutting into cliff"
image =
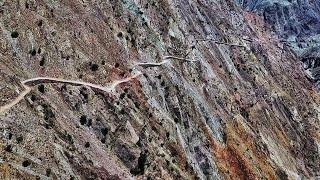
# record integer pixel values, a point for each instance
(27, 85)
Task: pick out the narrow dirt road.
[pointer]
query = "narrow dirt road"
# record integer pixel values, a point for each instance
(27, 84)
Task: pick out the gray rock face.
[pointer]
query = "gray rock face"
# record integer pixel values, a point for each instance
(297, 22)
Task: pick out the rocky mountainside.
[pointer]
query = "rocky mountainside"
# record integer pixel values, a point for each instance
(166, 89)
(297, 22)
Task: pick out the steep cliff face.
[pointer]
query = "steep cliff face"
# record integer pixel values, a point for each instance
(297, 22)
(146, 89)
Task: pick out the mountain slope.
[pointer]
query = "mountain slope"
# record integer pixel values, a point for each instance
(297, 23)
(220, 96)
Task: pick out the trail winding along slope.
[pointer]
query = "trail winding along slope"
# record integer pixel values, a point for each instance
(219, 95)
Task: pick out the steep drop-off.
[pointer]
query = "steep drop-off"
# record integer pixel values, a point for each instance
(297, 22)
(220, 97)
